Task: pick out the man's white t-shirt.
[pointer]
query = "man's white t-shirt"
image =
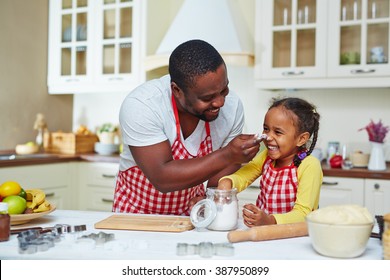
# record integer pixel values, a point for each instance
(146, 117)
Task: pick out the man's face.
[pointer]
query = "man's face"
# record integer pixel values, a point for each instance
(207, 96)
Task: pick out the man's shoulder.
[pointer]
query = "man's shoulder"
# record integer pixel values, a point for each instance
(155, 89)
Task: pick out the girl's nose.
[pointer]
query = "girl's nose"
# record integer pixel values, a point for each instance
(267, 137)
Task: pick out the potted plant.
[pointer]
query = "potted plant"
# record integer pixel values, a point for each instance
(107, 133)
(376, 134)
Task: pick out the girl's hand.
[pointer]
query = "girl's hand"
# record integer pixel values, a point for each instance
(225, 184)
(253, 216)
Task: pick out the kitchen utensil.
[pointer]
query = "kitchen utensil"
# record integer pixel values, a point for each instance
(359, 159)
(106, 149)
(100, 238)
(386, 237)
(377, 55)
(205, 249)
(26, 149)
(268, 232)
(340, 231)
(146, 223)
(219, 211)
(34, 240)
(19, 219)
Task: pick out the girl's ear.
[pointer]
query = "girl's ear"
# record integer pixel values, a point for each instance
(303, 138)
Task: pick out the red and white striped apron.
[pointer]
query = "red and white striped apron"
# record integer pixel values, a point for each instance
(278, 188)
(135, 194)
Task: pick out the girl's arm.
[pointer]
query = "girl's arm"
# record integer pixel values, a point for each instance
(246, 175)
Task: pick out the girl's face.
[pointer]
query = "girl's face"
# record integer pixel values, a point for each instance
(283, 138)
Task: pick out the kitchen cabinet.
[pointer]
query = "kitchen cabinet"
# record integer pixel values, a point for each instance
(55, 180)
(293, 39)
(322, 44)
(377, 196)
(337, 190)
(94, 46)
(97, 185)
(360, 47)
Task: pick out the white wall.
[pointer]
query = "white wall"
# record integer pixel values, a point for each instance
(343, 112)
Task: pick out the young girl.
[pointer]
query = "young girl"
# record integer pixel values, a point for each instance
(290, 177)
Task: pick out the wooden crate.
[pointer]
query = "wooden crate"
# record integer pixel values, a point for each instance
(69, 143)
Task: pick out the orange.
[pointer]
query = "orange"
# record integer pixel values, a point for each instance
(10, 188)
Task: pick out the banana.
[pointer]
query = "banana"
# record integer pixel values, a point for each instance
(44, 206)
(36, 196)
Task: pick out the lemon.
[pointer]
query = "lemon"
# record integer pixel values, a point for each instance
(16, 204)
(10, 188)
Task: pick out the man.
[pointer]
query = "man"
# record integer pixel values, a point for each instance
(180, 131)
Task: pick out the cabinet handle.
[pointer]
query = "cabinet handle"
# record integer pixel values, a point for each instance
(107, 200)
(330, 183)
(377, 186)
(115, 79)
(50, 194)
(108, 176)
(72, 80)
(293, 73)
(362, 71)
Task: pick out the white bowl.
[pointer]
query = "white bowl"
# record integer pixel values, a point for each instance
(337, 239)
(24, 149)
(106, 149)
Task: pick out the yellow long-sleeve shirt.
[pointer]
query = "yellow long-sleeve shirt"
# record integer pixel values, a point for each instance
(308, 192)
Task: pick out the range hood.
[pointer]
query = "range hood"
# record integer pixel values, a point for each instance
(218, 22)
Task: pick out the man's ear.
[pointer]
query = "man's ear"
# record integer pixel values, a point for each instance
(176, 91)
(303, 138)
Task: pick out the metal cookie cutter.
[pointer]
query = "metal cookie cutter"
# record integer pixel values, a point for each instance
(205, 249)
(32, 241)
(100, 238)
(42, 239)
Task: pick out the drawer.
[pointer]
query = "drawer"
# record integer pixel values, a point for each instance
(100, 198)
(102, 174)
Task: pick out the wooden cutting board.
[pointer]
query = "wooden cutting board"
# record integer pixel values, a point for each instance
(146, 223)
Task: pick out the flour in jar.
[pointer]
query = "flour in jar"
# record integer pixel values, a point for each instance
(226, 218)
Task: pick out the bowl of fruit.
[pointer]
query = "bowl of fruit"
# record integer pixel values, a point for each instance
(24, 205)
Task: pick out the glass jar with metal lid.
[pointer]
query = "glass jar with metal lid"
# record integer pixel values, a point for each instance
(219, 211)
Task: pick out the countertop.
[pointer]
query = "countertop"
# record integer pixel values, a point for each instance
(48, 158)
(93, 157)
(146, 245)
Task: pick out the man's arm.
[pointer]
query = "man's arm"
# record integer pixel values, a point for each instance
(168, 175)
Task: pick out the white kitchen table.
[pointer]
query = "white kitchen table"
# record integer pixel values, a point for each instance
(147, 245)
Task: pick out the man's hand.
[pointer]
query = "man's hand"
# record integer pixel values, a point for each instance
(194, 200)
(243, 148)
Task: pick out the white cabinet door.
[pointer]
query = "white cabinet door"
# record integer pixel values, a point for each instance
(337, 190)
(97, 185)
(94, 46)
(359, 41)
(292, 41)
(322, 44)
(54, 179)
(377, 196)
